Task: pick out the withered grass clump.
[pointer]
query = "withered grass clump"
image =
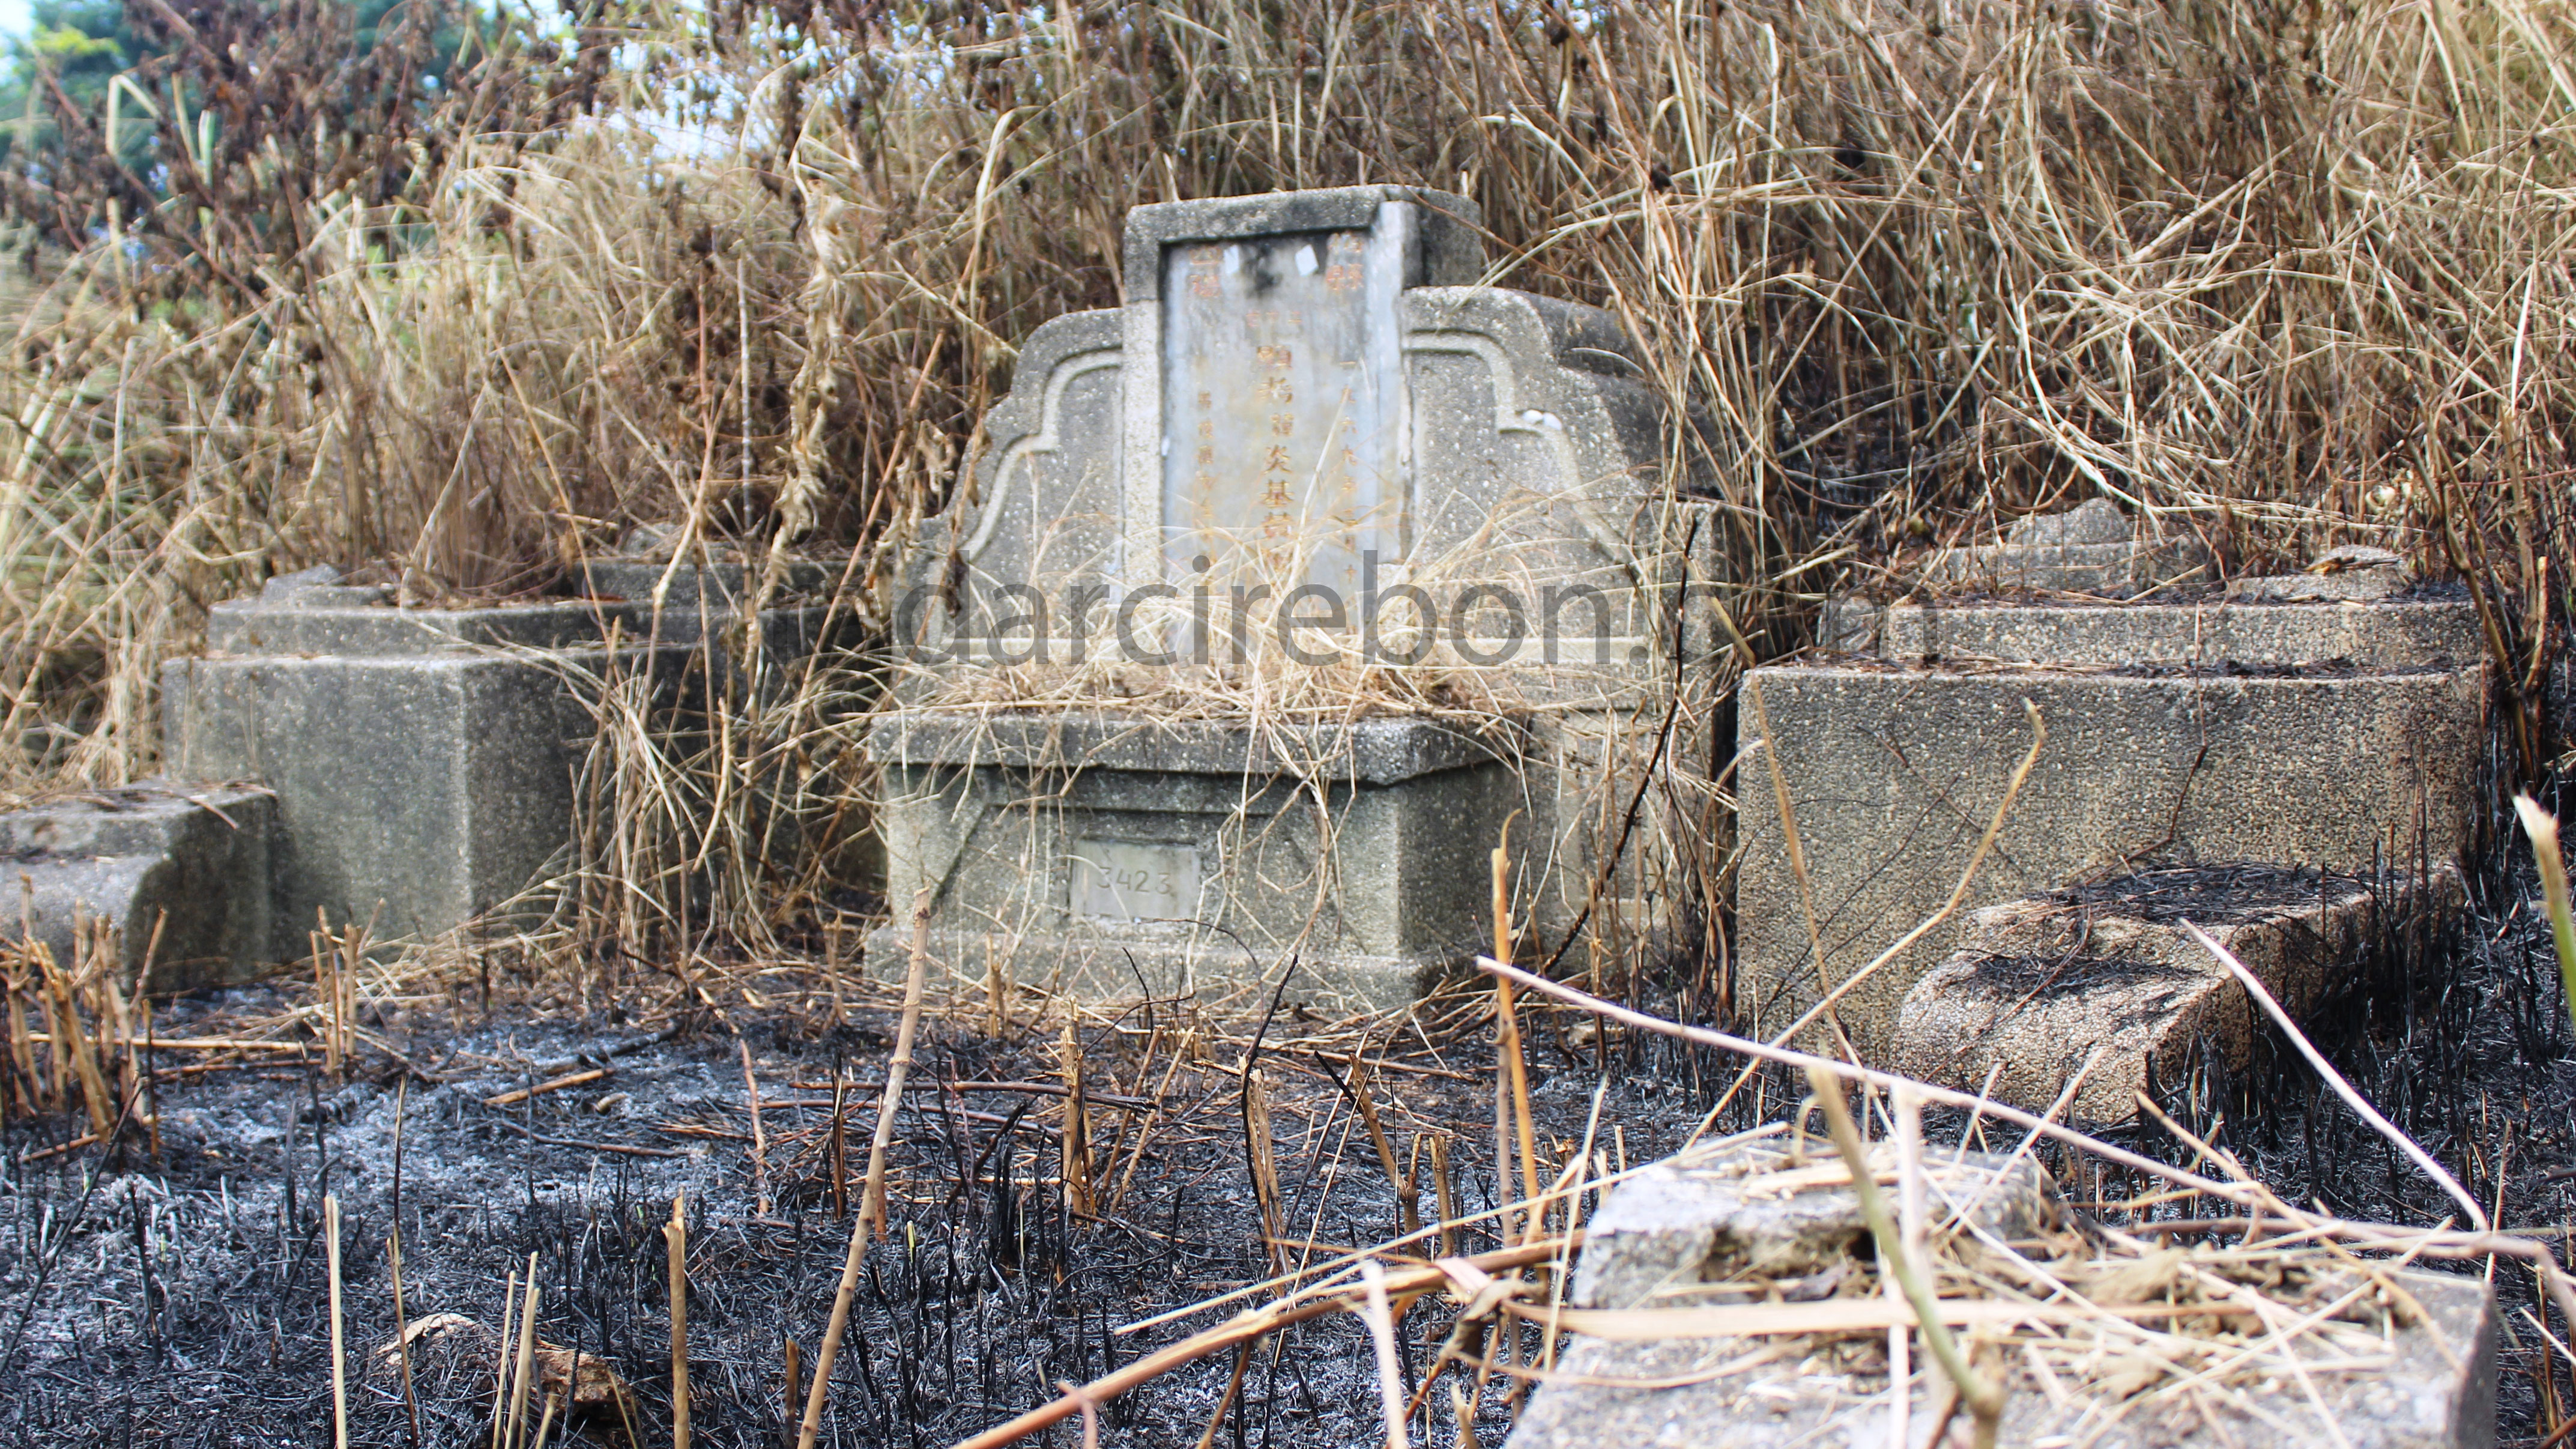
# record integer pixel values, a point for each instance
(2280, 276)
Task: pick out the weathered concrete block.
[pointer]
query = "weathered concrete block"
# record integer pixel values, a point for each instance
(189, 860)
(1713, 1225)
(1110, 856)
(356, 623)
(1728, 1226)
(422, 760)
(2040, 985)
(2090, 549)
(2207, 631)
(1893, 773)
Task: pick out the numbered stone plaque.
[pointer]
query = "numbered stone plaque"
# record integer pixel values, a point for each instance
(1124, 880)
(1281, 398)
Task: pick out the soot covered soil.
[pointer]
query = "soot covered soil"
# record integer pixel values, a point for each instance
(184, 1300)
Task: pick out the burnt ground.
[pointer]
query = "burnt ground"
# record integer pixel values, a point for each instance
(183, 1299)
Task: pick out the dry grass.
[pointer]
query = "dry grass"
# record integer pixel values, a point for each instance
(2279, 276)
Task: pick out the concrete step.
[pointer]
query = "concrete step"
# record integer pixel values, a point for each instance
(192, 860)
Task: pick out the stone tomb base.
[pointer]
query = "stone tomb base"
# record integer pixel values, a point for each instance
(189, 861)
(2107, 974)
(422, 760)
(1113, 857)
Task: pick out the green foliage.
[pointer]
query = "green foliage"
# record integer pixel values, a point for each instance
(75, 50)
(76, 47)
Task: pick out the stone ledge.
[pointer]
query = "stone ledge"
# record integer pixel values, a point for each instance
(308, 622)
(2396, 632)
(1174, 963)
(1371, 751)
(189, 860)
(1449, 245)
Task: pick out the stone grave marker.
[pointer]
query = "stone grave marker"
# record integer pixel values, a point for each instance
(2099, 989)
(2183, 727)
(1306, 440)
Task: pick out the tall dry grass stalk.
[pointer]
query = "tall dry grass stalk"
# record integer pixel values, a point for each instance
(2277, 275)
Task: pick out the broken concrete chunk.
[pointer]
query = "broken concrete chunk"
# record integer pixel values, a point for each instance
(2091, 549)
(2107, 975)
(1757, 1249)
(1893, 775)
(189, 860)
(2095, 520)
(1752, 1220)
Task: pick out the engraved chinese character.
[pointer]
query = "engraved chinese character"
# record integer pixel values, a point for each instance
(1206, 399)
(1207, 429)
(1278, 459)
(1276, 390)
(1277, 497)
(1342, 279)
(1283, 425)
(1207, 456)
(1272, 356)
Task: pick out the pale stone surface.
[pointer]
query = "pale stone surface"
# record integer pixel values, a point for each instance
(352, 623)
(422, 760)
(191, 860)
(1109, 857)
(2406, 632)
(2092, 548)
(1893, 774)
(2040, 986)
(2095, 520)
(2434, 1389)
(1704, 1226)
(1705, 1229)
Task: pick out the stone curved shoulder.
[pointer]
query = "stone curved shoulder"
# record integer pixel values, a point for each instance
(1027, 420)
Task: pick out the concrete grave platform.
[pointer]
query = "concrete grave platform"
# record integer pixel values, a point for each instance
(422, 760)
(1893, 773)
(1109, 856)
(2092, 548)
(345, 622)
(2039, 986)
(189, 860)
(1736, 1223)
